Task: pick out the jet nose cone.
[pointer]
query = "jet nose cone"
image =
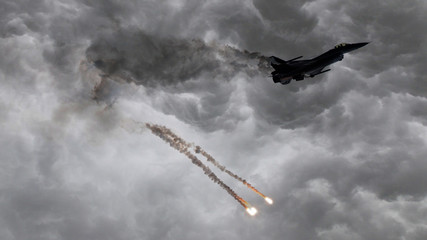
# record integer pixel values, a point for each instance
(359, 45)
(354, 46)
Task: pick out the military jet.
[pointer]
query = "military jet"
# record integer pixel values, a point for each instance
(285, 71)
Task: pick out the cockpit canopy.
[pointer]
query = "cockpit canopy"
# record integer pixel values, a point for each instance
(341, 45)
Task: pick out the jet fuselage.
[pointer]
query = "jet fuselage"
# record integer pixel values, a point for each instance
(285, 71)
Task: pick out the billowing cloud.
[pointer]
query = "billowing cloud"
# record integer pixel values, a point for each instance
(343, 154)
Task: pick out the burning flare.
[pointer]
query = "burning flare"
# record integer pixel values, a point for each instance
(199, 150)
(183, 147)
(252, 211)
(269, 200)
(179, 144)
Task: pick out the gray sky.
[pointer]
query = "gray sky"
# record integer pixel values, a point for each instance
(343, 155)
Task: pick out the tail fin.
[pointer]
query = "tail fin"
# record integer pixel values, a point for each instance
(275, 60)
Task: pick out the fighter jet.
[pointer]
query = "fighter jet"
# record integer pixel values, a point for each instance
(285, 71)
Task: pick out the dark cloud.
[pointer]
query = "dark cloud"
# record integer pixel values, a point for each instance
(177, 66)
(151, 60)
(343, 154)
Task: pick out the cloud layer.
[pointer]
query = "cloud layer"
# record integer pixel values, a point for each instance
(343, 155)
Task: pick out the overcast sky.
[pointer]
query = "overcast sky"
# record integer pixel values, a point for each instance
(343, 155)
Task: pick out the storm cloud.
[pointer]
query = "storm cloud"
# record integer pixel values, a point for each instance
(343, 155)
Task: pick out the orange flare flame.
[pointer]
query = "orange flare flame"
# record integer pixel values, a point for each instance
(269, 200)
(252, 211)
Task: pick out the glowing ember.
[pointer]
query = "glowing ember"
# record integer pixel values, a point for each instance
(269, 200)
(252, 211)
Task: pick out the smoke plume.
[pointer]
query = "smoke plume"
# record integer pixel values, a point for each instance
(135, 56)
(179, 144)
(208, 157)
(183, 147)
